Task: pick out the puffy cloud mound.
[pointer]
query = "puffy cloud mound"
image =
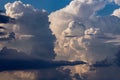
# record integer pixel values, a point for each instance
(116, 12)
(31, 22)
(83, 9)
(31, 28)
(82, 35)
(18, 9)
(80, 32)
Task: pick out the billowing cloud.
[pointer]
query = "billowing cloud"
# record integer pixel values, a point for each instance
(79, 32)
(76, 9)
(32, 36)
(31, 29)
(82, 35)
(34, 24)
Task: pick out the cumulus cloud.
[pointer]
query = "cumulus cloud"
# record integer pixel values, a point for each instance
(31, 27)
(116, 12)
(82, 35)
(32, 36)
(34, 24)
(75, 10)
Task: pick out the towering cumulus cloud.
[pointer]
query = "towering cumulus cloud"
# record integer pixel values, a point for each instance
(82, 35)
(32, 35)
(80, 32)
(31, 28)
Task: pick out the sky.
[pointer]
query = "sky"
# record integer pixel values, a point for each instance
(72, 39)
(51, 6)
(48, 5)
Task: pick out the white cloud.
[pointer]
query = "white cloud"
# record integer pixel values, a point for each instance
(77, 24)
(83, 9)
(81, 35)
(116, 12)
(17, 9)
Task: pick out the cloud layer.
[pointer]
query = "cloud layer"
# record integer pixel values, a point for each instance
(11, 59)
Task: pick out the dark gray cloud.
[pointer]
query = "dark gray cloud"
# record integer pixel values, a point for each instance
(11, 36)
(57, 74)
(103, 63)
(107, 69)
(11, 59)
(117, 59)
(108, 62)
(6, 19)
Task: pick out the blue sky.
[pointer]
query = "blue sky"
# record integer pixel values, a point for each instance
(53, 5)
(109, 8)
(49, 5)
